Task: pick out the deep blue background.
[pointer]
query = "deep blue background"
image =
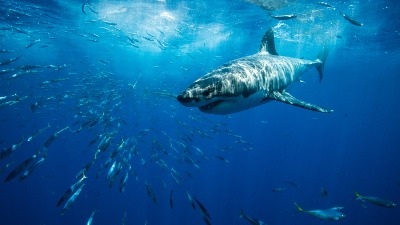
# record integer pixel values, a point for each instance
(353, 149)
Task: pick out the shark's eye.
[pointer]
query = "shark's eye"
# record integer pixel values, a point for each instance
(208, 90)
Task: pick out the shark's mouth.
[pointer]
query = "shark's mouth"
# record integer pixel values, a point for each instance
(211, 105)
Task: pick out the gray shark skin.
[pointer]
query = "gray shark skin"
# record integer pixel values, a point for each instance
(250, 81)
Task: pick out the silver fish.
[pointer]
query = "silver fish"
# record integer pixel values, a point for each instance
(324, 214)
(284, 17)
(71, 200)
(375, 200)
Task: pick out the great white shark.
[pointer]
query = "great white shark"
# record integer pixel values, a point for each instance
(251, 81)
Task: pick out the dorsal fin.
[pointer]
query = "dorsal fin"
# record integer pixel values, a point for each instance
(268, 42)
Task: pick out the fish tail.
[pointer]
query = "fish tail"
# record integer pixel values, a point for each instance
(83, 176)
(241, 213)
(321, 62)
(298, 207)
(356, 194)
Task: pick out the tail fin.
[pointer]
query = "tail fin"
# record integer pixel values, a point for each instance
(241, 213)
(359, 198)
(298, 207)
(321, 62)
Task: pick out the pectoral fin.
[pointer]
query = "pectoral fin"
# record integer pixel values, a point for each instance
(289, 99)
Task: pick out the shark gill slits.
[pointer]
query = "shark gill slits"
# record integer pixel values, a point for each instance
(247, 92)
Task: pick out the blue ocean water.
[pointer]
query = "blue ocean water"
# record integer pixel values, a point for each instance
(93, 84)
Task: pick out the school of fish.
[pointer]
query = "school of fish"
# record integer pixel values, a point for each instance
(102, 107)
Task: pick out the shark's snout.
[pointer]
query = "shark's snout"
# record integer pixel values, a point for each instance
(186, 99)
(182, 99)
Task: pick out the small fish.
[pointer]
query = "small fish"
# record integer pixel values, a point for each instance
(279, 189)
(104, 143)
(35, 134)
(9, 103)
(171, 203)
(7, 152)
(110, 23)
(97, 138)
(150, 34)
(150, 192)
(351, 20)
(5, 71)
(133, 40)
(8, 61)
(161, 45)
(32, 168)
(160, 31)
(123, 181)
(323, 214)
(324, 4)
(291, 183)
(221, 158)
(112, 170)
(32, 43)
(284, 17)
(175, 179)
(71, 190)
(375, 200)
(52, 138)
(90, 220)
(251, 220)
(22, 73)
(30, 67)
(6, 166)
(324, 192)
(71, 200)
(18, 30)
(94, 35)
(20, 168)
(177, 174)
(147, 38)
(191, 200)
(124, 219)
(90, 8)
(84, 170)
(114, 174)
(103, 61)
(132, 86)
(6, 51)
(204, 213)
